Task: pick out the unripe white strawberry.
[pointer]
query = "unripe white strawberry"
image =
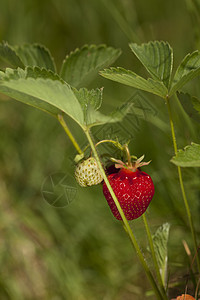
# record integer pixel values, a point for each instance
(87, 173)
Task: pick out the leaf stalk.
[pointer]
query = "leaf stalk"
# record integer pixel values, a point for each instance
(70, 135)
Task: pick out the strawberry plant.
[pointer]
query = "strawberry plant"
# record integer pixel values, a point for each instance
(29, 75)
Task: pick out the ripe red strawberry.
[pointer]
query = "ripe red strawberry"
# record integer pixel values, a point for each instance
(111, 169)
(134, 190)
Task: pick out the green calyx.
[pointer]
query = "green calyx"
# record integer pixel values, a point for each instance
(130, 165)
(133, 166)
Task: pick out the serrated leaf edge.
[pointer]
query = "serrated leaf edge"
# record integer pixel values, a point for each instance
(24, 71)
(152, 43)
(42, 47)
(118, 69)
(5, 43)
(78, 50)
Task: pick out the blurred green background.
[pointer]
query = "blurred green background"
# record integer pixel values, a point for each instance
(80, 251)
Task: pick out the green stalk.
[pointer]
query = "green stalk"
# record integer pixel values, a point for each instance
(160, 279)
(116, 143)
(68, 132)
(126, 225)
(182, 185)
(128, 155)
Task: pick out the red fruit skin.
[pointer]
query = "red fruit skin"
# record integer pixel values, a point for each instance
(134, 191)
(111, 169)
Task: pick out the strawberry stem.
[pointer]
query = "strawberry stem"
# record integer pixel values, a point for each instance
(68, 132)
(128, 155)
(181, 183)
(116, 143)
(126, 225)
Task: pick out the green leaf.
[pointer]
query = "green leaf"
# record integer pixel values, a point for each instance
(35, 72)
(157, 58)
(91, 100)
(187, 70)
(160, 240)
(45, 90)
(80, 66)
(189, 157)
(9, 57)
(89, 97)
(191, 105)
(35, 55)
(48, 94)
(132, 79)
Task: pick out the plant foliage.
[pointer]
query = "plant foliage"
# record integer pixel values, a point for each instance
(157, 58)
(160, 240)
(81, 65)
(191, 105)
(188, 157)
(34, 81)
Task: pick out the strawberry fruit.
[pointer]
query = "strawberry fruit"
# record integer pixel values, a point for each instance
(87, 173)
(134, 190)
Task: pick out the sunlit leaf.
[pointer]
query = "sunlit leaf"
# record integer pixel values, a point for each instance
(35, 72)
(50, 95)
(132, 79)
(80, 66)
(157, 58)
(189, 157)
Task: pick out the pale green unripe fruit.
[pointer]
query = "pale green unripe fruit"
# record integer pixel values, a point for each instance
(87, 173)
